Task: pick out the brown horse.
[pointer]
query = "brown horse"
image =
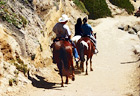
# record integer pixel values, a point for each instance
(62, 51)
(85, 47)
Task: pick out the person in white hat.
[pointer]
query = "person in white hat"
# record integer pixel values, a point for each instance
(62, 31)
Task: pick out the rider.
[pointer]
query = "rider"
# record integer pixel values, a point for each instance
(62, 31)
(88, 31)
(78, 30)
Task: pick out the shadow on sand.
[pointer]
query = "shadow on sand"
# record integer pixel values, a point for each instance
(40, 83)
(77, 71)
(131, 62)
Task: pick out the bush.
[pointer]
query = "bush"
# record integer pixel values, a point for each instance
(11, 82)
(20, 66)
(81, 6)
(126, 4)
(97, 8)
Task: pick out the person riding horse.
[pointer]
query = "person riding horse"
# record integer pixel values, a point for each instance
(88, 31)
(62, 31)
(78, 30)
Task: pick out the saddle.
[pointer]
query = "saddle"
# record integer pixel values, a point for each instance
(90, 38)
(61, 38)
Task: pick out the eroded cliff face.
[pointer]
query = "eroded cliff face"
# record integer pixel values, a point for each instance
(26, 36)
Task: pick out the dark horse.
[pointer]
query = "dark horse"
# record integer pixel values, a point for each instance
(85, 47)
(62, 51)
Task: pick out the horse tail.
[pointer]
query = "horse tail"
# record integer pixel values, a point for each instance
(83, 45)
(64, 59)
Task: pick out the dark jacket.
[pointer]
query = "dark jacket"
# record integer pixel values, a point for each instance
(78, 30)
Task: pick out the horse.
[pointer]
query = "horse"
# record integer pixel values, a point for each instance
(84, 47)
(63, 57)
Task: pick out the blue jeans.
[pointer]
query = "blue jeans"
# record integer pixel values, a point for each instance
(75, 53)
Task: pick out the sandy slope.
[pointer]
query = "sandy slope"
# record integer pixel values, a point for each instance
(110, 77)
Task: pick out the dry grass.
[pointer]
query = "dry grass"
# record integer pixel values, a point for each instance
(6, 50)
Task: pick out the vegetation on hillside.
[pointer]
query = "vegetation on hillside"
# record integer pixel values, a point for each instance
(126, 4)
(81, 6)
(97, 8)
(7, 14)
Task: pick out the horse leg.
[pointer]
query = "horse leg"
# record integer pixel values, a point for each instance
(73, 76)
(67, 75)
(66, 80)
(82, 66)
(60, 72)
(77, 65)
(87, 66)
(62, 83)
(91, 64)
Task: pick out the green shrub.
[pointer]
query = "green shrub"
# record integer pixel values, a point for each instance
(11, 82)
(97, 8)
(20, 66)
(33, 56)
(15, 81)
(81, 6)
(126, 4)
(2, 2)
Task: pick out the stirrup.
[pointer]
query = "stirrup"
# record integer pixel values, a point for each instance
(96, 51)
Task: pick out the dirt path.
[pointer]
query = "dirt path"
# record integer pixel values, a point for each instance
(110, 77)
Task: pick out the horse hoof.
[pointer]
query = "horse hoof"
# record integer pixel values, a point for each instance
(66, 82)
(91, 69)
(86, 74)
(73, 78)
(62, 85)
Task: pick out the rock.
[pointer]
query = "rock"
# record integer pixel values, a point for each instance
(122, 28)
(126, 28)
(136, 27)
(131, 31)
(138, 33)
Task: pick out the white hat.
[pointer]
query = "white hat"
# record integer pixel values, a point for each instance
(63, 18)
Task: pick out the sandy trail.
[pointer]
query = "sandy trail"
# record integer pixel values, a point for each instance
(110, 77)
